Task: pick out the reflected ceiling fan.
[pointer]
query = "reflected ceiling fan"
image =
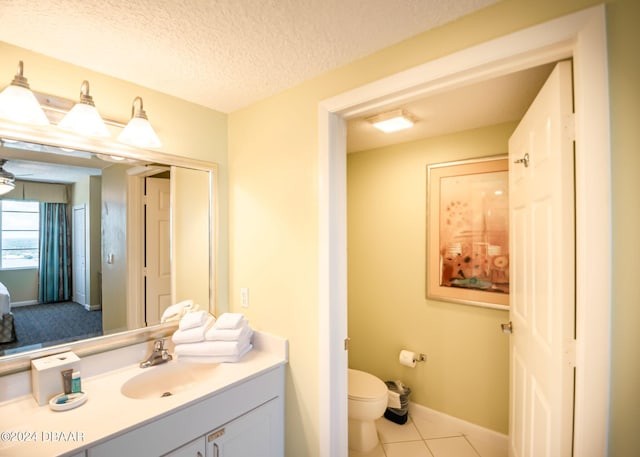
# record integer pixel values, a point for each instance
(7, 179)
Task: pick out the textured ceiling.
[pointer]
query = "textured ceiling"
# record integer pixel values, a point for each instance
(224, 54)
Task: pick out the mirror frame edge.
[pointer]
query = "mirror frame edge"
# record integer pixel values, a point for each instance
(49, 135)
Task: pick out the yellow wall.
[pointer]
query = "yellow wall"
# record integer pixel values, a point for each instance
(624, 82)
(467, 371)
(273, 200)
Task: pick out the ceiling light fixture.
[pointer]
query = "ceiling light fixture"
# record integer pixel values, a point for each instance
(139, 132)
(7, 180)
(84, 117)
(18, 104)
(392, 121)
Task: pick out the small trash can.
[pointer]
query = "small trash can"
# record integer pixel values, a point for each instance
(398, 410)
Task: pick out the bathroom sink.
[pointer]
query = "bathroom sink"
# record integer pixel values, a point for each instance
(166, 380)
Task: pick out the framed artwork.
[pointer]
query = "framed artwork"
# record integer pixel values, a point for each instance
(468, 232)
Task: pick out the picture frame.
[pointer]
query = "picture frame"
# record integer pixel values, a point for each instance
(468, 232)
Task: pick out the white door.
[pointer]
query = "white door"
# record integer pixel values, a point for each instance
(542, 273)
(157, 249)
(79, 255)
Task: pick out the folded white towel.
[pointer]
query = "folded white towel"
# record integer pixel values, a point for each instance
(215, 334)
(229, 321)
(175, 312)
(192, 335)
(214, 358)
(192, 320)
(212, 348)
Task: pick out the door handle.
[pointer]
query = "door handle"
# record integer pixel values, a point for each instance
(507, 328)
(524, 160)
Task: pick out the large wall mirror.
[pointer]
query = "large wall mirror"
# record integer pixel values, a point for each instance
(132, 230)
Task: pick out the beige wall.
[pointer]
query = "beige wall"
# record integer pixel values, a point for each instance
(467, 371)
(114, 248)
(94, 243)
(22, 285)
(274, 203)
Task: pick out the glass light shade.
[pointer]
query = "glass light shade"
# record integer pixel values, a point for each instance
(18, 104)
(139, 132)
(84, 119)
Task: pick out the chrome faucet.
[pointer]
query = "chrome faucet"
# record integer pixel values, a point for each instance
(159, 355)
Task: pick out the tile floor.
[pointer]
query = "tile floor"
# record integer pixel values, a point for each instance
(421, 437)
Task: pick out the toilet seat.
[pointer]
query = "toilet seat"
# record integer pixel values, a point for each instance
(365, 387)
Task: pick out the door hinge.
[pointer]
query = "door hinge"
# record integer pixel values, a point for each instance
(569, 126)
(346, 343)
(570, 353)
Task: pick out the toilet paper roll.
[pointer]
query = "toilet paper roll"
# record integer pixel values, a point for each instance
(407, 358)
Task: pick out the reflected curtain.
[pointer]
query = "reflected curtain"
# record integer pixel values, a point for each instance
(55, 254)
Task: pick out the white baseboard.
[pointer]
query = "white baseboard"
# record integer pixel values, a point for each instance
(486, 441)
(16, 304)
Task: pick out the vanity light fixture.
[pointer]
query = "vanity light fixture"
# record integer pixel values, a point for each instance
(84, 117)
(392, 121)
(18, 104)
(7, 180)
(139, 132)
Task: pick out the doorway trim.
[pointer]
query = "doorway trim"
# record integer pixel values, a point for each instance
(582, 36)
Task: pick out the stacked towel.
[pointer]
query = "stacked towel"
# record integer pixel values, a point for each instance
(192, 334)
(193, 320)
(210, 340)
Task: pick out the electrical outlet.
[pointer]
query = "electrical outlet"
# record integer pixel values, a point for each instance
(244, 297)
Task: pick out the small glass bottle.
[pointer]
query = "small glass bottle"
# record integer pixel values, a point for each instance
(76, 385)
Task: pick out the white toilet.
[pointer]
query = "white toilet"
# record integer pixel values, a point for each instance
(368, 397)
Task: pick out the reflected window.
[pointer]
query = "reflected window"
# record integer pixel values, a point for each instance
(20, 222)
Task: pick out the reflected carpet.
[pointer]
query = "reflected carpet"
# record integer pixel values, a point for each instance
(49, 324)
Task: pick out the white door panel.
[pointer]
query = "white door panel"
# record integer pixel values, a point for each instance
(542, 272)
(79, 255)
(157, 249)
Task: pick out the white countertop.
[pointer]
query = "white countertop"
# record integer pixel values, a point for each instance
(27, 429)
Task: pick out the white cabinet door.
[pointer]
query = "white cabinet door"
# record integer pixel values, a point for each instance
(254, 434)
(194, 448)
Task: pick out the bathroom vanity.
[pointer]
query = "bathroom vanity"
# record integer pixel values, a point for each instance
(173, 409)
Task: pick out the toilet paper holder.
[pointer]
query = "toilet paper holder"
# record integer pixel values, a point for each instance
(421, 358)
